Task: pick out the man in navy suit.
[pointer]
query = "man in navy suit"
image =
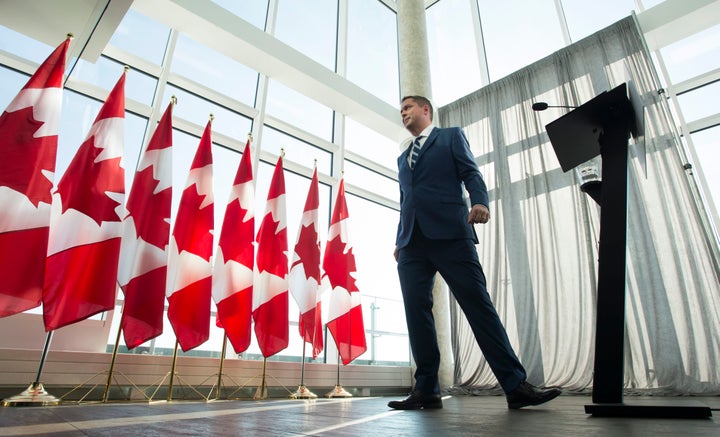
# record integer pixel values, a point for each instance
(436, 235)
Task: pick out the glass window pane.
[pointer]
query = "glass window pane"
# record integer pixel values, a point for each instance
(196, 110)
(454, 67)
(26, 47)
(700, 102)
(370, 144)
(292, 107)
(296, 150)
(372, 230)
(512, 39)
(141, 36)
(369, 180)
(11, 83)
(391, 350)
(105, 74)
(694, 55)
(372, 58)
(707, 147)
(214, 70)
(252, 11)
(389, 315)
(309, 27)
(585, 18)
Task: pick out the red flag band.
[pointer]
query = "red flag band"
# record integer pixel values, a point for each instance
(345, 312)
(270, 296)
(304, 277)
(144, 250)
(189, 280)
(233, 273)
(28, 143)
(86, 223)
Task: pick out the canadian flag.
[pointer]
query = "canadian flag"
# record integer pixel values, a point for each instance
(28, 144)
(304, 277)
(143, 253)
(235, 258)
(345, 312)
(86, 224)
(270, 295)
(189, 280)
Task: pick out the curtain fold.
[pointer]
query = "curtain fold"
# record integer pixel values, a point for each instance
(540, 249)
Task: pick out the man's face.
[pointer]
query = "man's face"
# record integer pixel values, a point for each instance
(412, 114)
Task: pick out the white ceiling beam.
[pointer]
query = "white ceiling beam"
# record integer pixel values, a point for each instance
(673, 20)
(696, 82)
(92, 22)
(210, 24)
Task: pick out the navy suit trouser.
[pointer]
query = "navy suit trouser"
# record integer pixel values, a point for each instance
(458, 264)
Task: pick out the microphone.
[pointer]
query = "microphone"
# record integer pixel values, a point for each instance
(541, 106)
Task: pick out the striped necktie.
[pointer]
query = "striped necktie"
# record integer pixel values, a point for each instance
(414, 152)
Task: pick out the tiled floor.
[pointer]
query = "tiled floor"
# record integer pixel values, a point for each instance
(358, 416)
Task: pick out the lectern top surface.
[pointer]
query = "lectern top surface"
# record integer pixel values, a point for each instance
(574, 136)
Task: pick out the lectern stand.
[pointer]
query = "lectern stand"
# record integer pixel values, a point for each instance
(602, 127)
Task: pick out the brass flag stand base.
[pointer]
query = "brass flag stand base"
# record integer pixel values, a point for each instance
(261, 392)
(34, 395)
(338, 392)
(303, 392)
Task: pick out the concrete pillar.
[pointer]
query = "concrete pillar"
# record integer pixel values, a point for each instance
(413, 48)
(415, 80)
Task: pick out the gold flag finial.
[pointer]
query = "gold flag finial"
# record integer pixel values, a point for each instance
(126, 68)
(70, 35)
(250, 137)
(282, 152)
(212, 117)
(173, 99)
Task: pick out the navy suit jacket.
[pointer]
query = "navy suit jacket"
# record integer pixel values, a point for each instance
(432, 193)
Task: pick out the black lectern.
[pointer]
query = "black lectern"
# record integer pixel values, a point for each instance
(602, 127)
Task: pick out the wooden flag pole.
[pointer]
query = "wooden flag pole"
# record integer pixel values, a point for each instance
(35, 394)
(302, 391)
(338, 391)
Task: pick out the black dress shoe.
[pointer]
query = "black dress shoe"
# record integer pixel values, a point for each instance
(526, 394)
(417, 401)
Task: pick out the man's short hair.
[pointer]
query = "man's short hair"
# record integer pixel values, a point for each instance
(422, 101)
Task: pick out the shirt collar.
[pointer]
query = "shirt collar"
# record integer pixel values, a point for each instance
(426, 132)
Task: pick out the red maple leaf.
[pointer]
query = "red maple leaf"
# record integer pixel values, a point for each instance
(85, 184)
(271, 255)
(193, 225)
(338, 265)
(24, 157)
(150, 211)
(308, 249)
(237, 235)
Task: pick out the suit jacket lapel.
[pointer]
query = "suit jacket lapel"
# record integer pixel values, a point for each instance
(428, 143)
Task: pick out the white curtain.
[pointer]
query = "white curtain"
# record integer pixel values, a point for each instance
(540, 249)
